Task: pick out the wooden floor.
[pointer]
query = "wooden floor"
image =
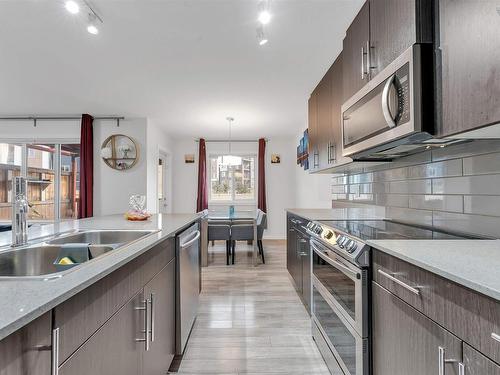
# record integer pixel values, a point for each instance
(251, 320)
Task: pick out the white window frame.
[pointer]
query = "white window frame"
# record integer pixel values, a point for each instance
(232, 201)
(24, 143)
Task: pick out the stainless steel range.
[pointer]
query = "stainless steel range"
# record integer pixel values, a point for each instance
(341, 277)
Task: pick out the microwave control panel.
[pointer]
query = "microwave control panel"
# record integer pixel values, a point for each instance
(402, 86)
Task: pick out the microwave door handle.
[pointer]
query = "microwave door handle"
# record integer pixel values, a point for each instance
(386, 111)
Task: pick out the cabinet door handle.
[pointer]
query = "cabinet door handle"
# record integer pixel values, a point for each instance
(152, 302)
(368, 60)
(443, 361)
(363, 53)
(461, 368)
(399, 282)
(495, 336)
(55, 351)
(146, 330)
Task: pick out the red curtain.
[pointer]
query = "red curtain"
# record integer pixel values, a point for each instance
(202, 201)
(86, 207)
(261, 201)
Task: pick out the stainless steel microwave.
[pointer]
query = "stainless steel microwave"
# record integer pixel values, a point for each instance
(393, 114)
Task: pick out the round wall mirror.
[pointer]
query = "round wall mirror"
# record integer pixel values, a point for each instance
(119, 152)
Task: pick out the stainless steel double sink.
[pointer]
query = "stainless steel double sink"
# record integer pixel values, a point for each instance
(40, 260)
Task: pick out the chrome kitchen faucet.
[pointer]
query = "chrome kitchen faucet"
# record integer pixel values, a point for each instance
(19, 212)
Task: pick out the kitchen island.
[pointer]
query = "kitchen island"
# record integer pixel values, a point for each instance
(94, 292)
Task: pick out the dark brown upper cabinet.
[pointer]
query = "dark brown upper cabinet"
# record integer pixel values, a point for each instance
(382, 30)
(354, 53)
(468, 64)
(395, 26)
(337, 79)
(325, 133)
(324, 119)
(312, 126)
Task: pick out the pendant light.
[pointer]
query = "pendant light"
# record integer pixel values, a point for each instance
(230, 159)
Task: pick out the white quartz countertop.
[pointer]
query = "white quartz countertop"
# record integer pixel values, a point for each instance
(23, 300)
(351, 213)
(471, 263)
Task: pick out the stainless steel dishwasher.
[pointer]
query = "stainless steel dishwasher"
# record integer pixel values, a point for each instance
(188, 282)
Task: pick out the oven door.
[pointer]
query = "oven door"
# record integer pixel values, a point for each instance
(349, 349)
(386, 108)
(344, 283)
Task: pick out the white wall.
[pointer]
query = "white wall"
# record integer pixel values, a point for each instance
(45, 130)
(185, 176)
(157, 141)
(279, 177)
(113, 188)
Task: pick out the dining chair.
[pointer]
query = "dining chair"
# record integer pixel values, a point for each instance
(243, 231)
(220, 231)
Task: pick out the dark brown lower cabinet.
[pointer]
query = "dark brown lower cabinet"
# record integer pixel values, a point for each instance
(113, 349)
(304, 268)
(407, 342)
(120, 347)
(298, 259)
(161, 293)
(478, 364)
(28, 351)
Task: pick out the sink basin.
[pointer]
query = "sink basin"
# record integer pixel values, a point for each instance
(38, 260)
(101, 237)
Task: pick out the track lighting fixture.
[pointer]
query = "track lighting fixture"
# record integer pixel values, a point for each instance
(92, 28)
(261, 37)
(73, 6)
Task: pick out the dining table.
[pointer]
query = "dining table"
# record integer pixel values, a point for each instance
(238, 215)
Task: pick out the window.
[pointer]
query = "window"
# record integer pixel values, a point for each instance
(232, 178)
(52, 194)
(10, 166)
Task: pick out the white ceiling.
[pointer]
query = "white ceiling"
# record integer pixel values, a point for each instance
(186, 65)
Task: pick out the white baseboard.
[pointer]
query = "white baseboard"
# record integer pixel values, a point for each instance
(274, 237)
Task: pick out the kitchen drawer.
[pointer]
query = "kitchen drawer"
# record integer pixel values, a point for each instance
(471, 316)
(82, 315)
(477, 364)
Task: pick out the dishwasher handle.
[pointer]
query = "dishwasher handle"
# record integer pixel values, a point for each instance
(191, 241)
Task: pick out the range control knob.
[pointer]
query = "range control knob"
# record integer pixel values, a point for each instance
(329, 235)
(351, 246)
(341, 241)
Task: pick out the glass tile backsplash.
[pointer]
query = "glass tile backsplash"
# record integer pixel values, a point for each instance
(455, 188)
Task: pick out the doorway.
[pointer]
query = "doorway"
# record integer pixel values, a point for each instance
(162, 180)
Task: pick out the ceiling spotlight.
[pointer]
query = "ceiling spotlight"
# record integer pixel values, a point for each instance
(72, 6)
(264, 17)
(92, 29)
(260, 36)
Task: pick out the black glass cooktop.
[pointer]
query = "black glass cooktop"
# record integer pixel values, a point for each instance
(389, 230)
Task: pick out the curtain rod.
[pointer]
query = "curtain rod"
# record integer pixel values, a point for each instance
(31, 118)
(231, 140)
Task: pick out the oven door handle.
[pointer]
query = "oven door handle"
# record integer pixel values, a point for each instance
(335, 263)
